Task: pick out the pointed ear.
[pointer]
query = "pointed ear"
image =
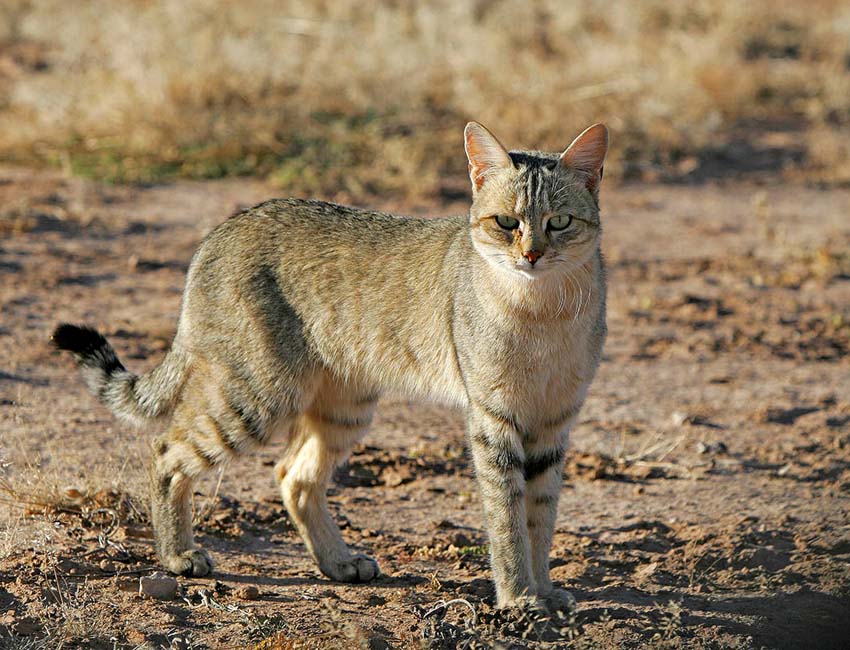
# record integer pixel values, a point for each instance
(484, 152)
(586, 155)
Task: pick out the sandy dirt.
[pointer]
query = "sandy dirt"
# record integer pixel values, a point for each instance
(706, 500)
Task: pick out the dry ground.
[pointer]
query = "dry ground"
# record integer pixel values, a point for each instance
(705, 502)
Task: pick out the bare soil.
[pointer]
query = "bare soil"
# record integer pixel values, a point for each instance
(706, 497)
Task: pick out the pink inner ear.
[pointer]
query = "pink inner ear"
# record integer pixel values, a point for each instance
(484, 151)
(587, 152)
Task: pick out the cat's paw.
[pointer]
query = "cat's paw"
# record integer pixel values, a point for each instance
(520, 605)
(357, 568)
(194, 562)
(560, 600)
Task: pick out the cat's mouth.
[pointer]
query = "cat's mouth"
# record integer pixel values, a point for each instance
(531, 271)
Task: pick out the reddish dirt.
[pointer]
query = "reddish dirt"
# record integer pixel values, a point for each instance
(705, 501)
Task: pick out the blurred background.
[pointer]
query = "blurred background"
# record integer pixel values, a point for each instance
(352, 99)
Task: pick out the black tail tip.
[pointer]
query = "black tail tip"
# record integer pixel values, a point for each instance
(79, 339)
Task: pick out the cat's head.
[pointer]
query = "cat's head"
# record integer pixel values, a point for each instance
(533, 213)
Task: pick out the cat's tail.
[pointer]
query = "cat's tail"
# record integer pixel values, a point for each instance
(135, 398)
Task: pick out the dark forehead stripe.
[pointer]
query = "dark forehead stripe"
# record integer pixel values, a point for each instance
(534, 159)
(536, 178)
(533, 185)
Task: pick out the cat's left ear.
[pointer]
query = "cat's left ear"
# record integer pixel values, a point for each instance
(586, 155)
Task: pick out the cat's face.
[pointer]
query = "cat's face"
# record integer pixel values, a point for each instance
(535, 215)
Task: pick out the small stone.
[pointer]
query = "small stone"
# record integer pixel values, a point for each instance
(74, 493)
(718, 447)
(159, 586)
(395, 476)
(678, 418)
(107, 566)
(248, 592)
(136, 637)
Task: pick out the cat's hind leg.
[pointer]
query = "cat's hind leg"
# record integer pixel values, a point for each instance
(171, 513)
(322, 438)
(212, 423)
(177, 461)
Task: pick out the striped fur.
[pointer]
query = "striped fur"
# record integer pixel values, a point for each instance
(135, 399)
(297, 315)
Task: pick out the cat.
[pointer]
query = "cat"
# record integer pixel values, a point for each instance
(298, 314)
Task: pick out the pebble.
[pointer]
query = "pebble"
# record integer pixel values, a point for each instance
(718, 447)
(678, 418)
(248, 592)
(74, 493)
(108, 566)
(136, 637)
(159, 586)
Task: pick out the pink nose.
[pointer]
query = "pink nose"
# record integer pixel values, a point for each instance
(532, 256)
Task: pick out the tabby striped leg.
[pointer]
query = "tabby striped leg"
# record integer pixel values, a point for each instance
(543, 468)
(324, 438)
(544, 464)
(499, 460)
(173, 469)
(204, 431)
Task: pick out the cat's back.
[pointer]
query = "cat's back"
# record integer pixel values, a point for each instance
(321, 225)
(304, 240)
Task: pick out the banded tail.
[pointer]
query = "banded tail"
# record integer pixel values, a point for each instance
(135, 398)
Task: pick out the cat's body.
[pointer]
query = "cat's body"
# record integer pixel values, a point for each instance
(297, 315)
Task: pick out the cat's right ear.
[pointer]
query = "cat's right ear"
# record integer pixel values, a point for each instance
(484, 152)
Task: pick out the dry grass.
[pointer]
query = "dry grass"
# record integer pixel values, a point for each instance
(34, 491)
(352, 99)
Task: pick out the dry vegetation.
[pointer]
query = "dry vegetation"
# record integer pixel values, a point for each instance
(351, 99)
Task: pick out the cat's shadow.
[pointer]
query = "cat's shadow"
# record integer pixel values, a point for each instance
(785, 621)
(282, 573)
(250, 578)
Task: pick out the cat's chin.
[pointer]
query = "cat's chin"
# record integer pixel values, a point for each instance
(529, 274)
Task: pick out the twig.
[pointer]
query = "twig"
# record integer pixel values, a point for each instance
(444, 604)
(645, 453)
(206, 510)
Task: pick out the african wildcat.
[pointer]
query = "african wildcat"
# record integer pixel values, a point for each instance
(298, 314)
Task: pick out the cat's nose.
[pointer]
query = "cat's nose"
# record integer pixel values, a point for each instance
(532, 256)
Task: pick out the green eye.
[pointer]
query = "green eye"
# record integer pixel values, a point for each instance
(508, 223)
(560, 222)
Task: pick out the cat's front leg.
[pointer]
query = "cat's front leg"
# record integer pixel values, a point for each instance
(499, 466)
(544, 464)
